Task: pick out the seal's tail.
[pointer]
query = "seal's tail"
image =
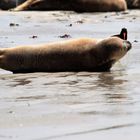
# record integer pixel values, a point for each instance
(123, 34)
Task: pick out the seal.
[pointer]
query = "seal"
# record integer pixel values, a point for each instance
(75, 5)
(84, 54)
(8, 4)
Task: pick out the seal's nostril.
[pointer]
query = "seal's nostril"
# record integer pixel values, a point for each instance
(129, 43)
(129, 46)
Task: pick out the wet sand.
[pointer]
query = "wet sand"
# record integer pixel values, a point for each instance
(69, 106)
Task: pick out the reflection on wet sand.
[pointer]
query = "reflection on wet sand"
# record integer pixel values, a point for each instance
(110, 80)
(20, 82)
(114, 86)
(82, 83)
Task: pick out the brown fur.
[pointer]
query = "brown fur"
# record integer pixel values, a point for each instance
(76, 5)
(83, 54)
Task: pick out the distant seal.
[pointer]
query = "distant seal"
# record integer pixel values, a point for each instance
(123, 34)
(133, 4)
(84, 54)
(75, 5)
(100, 5)
(8, 4)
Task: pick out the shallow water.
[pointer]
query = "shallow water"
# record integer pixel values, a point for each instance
(67, 106)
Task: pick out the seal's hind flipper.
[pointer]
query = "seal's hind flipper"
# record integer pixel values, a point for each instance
(123, 34)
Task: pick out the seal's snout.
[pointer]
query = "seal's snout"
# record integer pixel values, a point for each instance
(129, 45)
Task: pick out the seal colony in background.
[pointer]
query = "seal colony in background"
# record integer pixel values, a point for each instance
(84, 54)
(74, 5)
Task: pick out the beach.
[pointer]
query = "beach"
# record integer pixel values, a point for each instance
(70, 105)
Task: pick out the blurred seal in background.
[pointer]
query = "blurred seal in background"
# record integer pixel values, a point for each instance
(75, 5)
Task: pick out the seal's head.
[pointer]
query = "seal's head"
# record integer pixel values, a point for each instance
(110, 51)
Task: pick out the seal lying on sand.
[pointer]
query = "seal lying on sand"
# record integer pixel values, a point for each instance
(75, 5)
(83, 54)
